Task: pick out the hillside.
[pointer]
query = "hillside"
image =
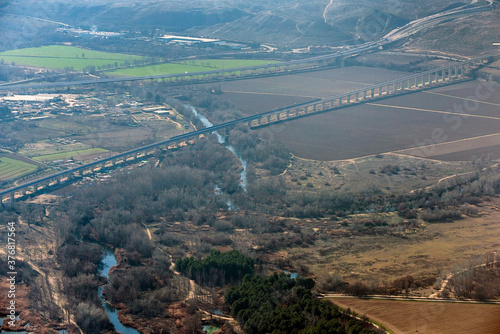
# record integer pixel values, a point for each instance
(296, 24)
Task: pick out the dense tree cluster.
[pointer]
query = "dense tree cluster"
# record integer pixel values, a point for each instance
(270, 155)
(144, 289)
(5, 112)
(113, 212)
(278, 304)
(480, 283)
(80, 262)
(218, 268)
(77, 257)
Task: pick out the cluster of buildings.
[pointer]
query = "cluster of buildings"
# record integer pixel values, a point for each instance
(40, 106)
(31, 106)
(189, 41)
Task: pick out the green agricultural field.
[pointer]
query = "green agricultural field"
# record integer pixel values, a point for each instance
(65, 127)
(186, 66)
(53, 150)
(72, 154)
(61, 56)
(10, 168)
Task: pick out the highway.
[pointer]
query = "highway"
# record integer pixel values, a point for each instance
(428, 21)
(393, 36)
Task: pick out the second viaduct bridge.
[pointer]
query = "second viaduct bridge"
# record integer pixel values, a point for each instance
(444, 75)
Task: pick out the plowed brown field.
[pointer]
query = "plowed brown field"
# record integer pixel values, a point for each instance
(404, 317)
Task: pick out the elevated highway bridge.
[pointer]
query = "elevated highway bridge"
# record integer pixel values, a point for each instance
(444, 75)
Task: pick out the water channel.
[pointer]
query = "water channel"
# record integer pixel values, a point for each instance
(221, 140)
(7, 332)
(107, 262)
(109, 259)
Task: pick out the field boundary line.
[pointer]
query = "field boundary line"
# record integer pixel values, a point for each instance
(411, 299)
(408, 151)
(434, 111)
(462, 98)
(262, 93)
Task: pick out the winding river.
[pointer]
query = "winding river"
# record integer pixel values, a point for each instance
(107, 262)
(221, 140)
(109, 259)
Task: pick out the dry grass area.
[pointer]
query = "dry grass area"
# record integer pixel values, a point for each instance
(42, 299)
(403, 317)
(362, 173)
(432, 250)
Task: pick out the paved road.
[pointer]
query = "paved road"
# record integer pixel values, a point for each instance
(410, 299)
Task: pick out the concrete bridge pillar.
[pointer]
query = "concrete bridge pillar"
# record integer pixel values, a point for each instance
(456, 71)
(340, 101)
(449, 73)
(443, 77)
(12, 197)
(364, 95)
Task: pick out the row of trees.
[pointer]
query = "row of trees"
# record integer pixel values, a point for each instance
(479, 282)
